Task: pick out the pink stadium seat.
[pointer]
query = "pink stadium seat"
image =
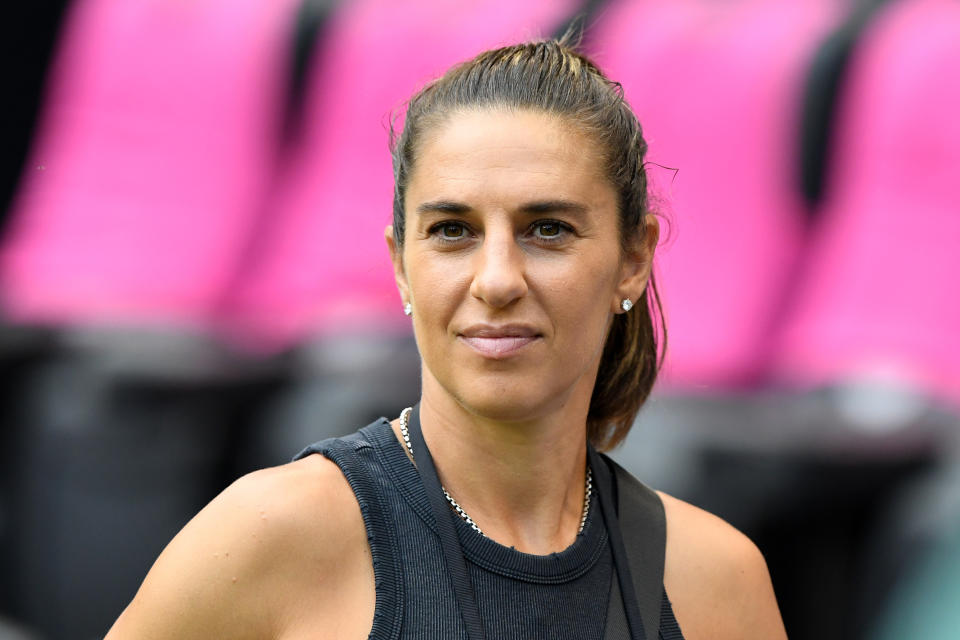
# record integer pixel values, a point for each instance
(717, 87)
(881, 296)
(155, 151)
(324, 267)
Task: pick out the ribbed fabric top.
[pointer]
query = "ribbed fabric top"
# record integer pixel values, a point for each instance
(519, 595)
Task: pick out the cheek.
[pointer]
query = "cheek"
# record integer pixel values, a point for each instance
(581, 283)
(580, 302)
(437, 288)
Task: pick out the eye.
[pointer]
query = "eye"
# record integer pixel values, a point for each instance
(452, 230)
(549, 230)
(449, 231)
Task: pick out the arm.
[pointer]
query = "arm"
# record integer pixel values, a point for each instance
(274, 545)
(717, 579)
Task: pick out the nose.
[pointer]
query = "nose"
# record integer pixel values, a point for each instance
(499, 276)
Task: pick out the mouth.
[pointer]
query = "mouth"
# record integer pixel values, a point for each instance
(498, 342)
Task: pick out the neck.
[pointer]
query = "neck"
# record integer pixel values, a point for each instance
(521, 482)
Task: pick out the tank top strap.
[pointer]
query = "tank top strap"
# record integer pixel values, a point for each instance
(643, 524)
(356, 457)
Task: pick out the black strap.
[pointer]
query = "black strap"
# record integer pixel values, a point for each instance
(643, 526)
(601, 472)
(616, 627)
(452, 552)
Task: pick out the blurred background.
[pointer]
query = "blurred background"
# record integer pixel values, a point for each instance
(194, 284)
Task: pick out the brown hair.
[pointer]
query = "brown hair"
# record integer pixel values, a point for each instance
(553, 78)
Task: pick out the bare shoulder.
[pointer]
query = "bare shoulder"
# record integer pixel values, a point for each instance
(245, 564)
(716, 577)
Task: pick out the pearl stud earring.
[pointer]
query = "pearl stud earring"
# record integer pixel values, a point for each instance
(626, 305)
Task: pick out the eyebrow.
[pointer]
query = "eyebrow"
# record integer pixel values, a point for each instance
(559, 206)
(537, 207)
(443, 206)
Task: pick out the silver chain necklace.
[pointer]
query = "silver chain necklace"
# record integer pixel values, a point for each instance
(588, 484)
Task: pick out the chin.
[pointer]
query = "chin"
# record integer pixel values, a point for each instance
(513, 405)
(503, 396)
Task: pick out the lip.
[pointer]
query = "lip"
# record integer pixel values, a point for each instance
(497, 342)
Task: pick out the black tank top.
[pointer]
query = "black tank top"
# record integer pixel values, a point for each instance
(519, 595)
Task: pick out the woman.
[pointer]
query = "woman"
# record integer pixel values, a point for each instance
(522, 246)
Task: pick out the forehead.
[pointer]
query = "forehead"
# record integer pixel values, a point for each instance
(506, 153)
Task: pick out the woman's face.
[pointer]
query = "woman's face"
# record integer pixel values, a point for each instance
(512, 262)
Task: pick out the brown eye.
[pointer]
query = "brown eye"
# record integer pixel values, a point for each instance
(452, 230)
(549, 229)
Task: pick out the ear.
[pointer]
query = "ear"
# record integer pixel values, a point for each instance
(396, 257)
(637, 264)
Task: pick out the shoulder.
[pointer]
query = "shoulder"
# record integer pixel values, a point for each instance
(716, 577)
(241, 565)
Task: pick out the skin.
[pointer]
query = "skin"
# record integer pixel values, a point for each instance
(512, 261)
(513, 229)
